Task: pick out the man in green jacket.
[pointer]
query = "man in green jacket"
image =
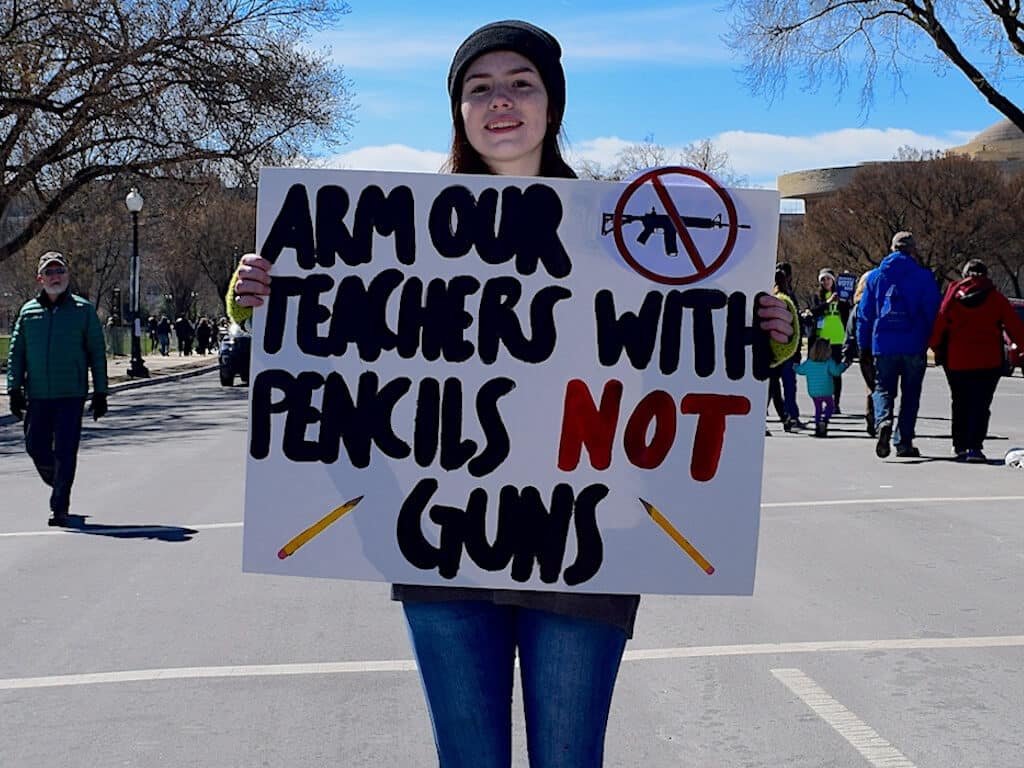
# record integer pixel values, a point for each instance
(57, 338)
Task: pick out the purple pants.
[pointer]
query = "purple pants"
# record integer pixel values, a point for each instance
(823, 408)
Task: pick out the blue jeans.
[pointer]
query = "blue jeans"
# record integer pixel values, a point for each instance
(465, 652)
(907, 371)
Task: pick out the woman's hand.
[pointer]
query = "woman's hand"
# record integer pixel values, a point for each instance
(253, 281)
(775, 318)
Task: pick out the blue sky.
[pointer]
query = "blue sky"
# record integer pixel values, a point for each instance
(633, 69)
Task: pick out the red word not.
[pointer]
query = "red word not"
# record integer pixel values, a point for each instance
(585, 424)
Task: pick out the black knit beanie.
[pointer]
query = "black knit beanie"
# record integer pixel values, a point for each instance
(521, 37)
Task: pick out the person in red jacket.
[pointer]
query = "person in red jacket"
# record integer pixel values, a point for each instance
(967, 338)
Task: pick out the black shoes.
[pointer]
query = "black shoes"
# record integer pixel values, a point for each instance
(882, 447)
(58, 519)
(821, 429)
(974, 456)
(907, 452)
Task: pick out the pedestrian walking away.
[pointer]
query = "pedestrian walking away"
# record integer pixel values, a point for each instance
(506, 91)
(894, 320)
(203, 336)
(163, 333)
(821, 372)
(782, 401)
(185, 333)
(864, 358)
(56, 340)
(967, 338)
(830, 314)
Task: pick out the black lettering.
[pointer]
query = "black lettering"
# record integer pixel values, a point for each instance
(411, 542)
(452, 239)
(266, 383)
(637, 334)
(277, 311)
(455, 451)
(445, 319)
(703, 301)
(427, 423)
(292, 228)
(302, 413)
(496, 447)
(311, 314)
(589, 547)
(388, 215)
(360, 315)
(537, 218)
(490, 557)
(542, 533)
(492, 248)
(498, 323)
(366, 421)
(739, 335)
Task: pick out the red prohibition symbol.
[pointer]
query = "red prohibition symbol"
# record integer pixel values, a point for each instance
(702, 268)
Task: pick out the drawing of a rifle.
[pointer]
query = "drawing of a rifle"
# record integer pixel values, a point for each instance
(653, 221)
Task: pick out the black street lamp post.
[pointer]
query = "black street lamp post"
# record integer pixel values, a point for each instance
(137, 368)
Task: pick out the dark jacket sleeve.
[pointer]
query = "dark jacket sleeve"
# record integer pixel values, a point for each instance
(16, 361)
(850, 346)
(866, 315)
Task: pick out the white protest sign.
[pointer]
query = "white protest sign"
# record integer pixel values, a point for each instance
(502, 382)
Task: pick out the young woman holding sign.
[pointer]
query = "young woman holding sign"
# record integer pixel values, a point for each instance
(507, 91)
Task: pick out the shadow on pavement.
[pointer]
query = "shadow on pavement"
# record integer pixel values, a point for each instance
(173, 533)
(155, 413)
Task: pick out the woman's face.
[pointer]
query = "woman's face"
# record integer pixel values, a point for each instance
(827, 283)
(505, 112)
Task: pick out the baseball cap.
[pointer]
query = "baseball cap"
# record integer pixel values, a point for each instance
(902, 240)
(49, 257)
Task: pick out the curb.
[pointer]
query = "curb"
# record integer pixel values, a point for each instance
(9, 418)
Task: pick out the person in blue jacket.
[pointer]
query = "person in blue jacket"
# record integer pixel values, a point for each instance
(894, 320)
(821, 372)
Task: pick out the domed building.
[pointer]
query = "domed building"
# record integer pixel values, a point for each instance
(1001, 143)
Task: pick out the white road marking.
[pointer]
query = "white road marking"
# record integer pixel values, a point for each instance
(766, 505)
(873, 502)
(406, 665)
(862, 737)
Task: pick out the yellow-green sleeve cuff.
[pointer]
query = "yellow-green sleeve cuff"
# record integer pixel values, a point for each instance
(783, 350)
(235, 311)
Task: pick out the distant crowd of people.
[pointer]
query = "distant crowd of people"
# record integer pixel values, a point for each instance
(201, 337)
(893, 316)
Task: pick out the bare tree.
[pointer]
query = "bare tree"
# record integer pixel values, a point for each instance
(1009, 261)
(94, 88)
(703, 154)
(955, 206)
(640, 155)
(822, 40)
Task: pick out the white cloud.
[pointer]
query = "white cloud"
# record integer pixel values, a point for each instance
(389, 157)
(762, 157)
(765, 155)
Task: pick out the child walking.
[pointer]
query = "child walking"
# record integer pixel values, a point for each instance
(820, 368)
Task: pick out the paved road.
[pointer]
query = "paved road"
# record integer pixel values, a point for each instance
(881, 632)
